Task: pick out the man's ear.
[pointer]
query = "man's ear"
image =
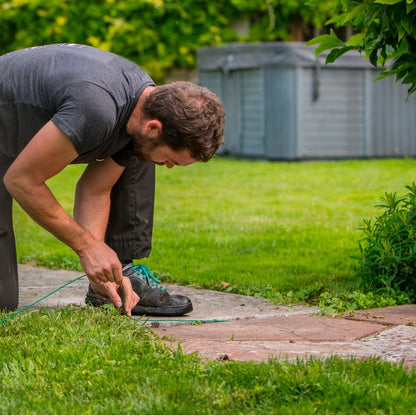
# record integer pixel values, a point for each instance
(153, 128)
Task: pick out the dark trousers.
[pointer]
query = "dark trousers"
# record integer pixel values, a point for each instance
(129, 231)
(9, 286)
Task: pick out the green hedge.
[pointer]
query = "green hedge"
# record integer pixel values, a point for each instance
(159, 35)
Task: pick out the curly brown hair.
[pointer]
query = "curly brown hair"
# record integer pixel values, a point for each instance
(192, 118)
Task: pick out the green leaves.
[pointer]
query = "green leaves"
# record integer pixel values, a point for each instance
(326, 42)
(390, 2)
(388, 247)
(386, 32)
(158, 35)
(331, 41)
(336, 53)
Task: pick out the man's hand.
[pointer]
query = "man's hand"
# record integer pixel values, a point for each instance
(103, 269)
(100, 262)
(114, 292)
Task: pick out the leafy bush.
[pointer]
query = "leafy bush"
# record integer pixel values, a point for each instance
(159, 35)
(388, 247)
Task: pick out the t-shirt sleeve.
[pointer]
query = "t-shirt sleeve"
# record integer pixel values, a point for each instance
(86, 114)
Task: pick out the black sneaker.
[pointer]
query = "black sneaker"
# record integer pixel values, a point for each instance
(154, 299)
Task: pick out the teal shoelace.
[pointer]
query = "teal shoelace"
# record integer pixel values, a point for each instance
(146, 274)
(143, 270)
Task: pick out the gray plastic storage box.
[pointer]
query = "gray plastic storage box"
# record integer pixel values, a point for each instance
(282, 102)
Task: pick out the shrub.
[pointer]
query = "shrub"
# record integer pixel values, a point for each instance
(388, 248)
(159, 35)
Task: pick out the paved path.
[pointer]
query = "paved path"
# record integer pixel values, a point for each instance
(250, 328)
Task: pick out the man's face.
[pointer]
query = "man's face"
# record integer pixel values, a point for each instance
(150, 150)
(164, 155)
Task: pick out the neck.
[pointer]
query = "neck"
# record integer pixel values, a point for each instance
(136, 116)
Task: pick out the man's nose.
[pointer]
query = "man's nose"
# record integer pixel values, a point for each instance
(169, 165)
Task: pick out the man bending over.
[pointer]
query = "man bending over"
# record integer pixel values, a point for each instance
(69, 103)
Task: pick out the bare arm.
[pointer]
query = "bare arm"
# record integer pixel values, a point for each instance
(91, 210)
(47, 154)
(92, 196)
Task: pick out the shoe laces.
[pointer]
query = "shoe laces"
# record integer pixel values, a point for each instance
(146, 274)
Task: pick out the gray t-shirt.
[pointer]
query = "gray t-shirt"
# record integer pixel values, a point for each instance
(88, 93)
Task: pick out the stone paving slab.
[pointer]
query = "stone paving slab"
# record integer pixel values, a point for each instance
(289, 328)
(394, 344)
(393, 315)
(252, 329)
(265, 350)
(285, 337)
(260, 340)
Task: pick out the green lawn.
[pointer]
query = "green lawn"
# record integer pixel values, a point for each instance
(83, 361)
(266, 228)
(263, 227)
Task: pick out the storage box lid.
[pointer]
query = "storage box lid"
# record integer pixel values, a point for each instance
(234, 56)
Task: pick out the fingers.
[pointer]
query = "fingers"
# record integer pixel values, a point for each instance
(122, 296)
(102, 274)
(115, 298)
(129, 296)
(112, 275)
(108, 290)
(118, 275)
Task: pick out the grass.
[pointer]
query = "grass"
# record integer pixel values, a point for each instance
(84, 361)
(255, 227)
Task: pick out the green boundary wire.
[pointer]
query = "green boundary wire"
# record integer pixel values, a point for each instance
(41, 299)
(134, 319)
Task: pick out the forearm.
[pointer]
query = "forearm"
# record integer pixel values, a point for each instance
(92, 211)
(93, 196)
(41, 205)
(99, 261)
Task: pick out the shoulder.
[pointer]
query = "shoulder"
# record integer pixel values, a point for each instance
(86, 113)
(85, 102)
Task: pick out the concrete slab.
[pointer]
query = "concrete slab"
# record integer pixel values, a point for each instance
(251, 329)
(36, 282)
(213, 305)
